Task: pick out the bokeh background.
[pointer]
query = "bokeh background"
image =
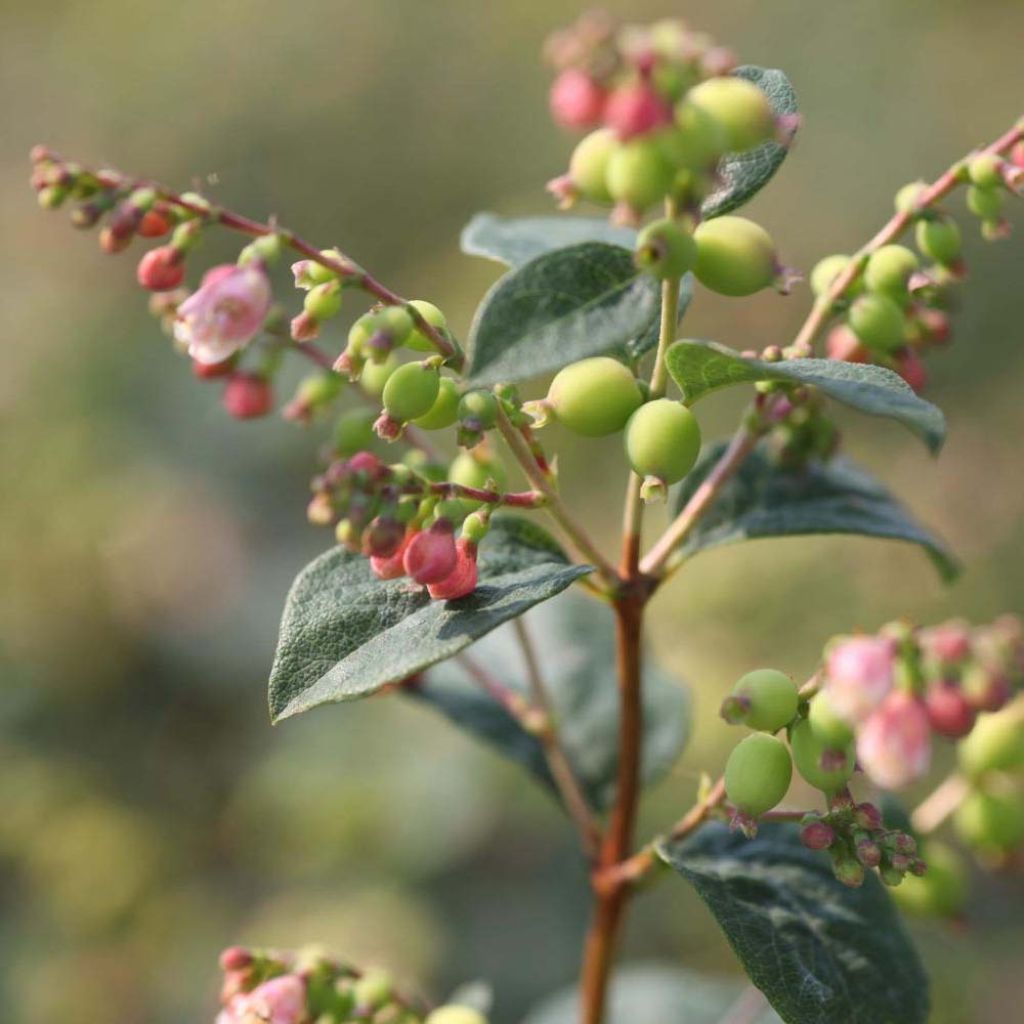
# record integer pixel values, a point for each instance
(148, 813)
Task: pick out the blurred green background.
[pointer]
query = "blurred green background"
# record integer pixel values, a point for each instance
(149, 815)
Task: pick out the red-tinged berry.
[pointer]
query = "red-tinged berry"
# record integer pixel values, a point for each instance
(662, 440)
(636, 109)
(638, 176)
(817, 835)
(878, 321)
(210, 371)
(248, 396)
(910, 366)
(764, 699)
(939, 239)
(735, 256)
(161, 269)
(235, 958)
(949, 711)
(894, 743)
(986, 687)
(594, 397)
(462, 580)
(411, 391)
(576, 100)
(996, 743)
(934, 326)
(416, 338)
(841, 343)
(848, 870)
(991, 820)
(155, 223)
(740, 107)
(430, 555)
(888, 270)
(858, 675)
(392, 567)
(757, 774)
(665, 249)
(823, 766)
(445, 410)
(383, 537)
(588, 165)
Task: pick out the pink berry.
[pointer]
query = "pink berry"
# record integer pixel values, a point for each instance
(636, 109)
(817, 835)
(894, 743)
(462, 579)
(947, 644)
(161, 269)
(949, 711)
(911, 368)
(154, 224)
(858, 676)
(248, 396)
(235, 958)
(844, 345)
(430, 556)
(576, 100)
(392, 567)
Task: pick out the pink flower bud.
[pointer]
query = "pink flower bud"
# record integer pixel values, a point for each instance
(462, 579)
(894, 744)
(858, 676)
(949, 711)
(947, 644)
(225, 314)
(911, 368)
(155, 223)
(247, 396)
(235, 958)
(817, 835)
(383, 537)
(868, 816)
(844, 345)
(576, 99)
(392, 567)
(305, 327)
(636, 109)
(278, 1001)
(430, 556)
(161, 269)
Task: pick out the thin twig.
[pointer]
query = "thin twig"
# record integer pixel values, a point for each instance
(939, 804)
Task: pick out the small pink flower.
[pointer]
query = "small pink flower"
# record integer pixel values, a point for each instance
(842, 344)
(576, 99)
(634, 110)
(278, 1001)
(430, 556)
(226, 312)
(858, 676)
(462, 579)
(161, 269)
(392, 567)
(894, 744)
(911, 368)
(247, 396)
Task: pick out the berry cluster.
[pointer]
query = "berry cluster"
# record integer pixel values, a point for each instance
(308, 987)
(893, 305)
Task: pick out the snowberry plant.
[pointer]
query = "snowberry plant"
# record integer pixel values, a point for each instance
(440, 486)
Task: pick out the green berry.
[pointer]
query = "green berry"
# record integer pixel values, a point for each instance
(594, 397)
(354, 431)
(764, 699)
(323, 301)
(889, 270)
(735, 256)
(411, 391)
(472, 470)
(588, 166)
(758, 774)
(939, 239)
(878, 321)
(826, 271)
(445, 410)
(991, 821)
(908, 196)
(662, 440)
(416, 339)
(739, 107)
(983, 170)
(375, 375)
(665, 249)
(986, 203)
(455, 1014)
(941, 891)
(996, 743)
(700, 141)
(481, 407)
(639, 175)
(826, 724)
(397, 322)
(317, 273)
(808, 750)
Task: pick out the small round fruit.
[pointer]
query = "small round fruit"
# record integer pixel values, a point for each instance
(996, 743)
(701, 140)
(445, 410)
(470, 470)
(639, 174)
(826, 724)
(764, 699)
(878, 321)
(735, 256)
(411, 391)
(323, 301)
(353, 431)
(588, 165)
(939, 239)
(665, 249)
(808, 751)
(758, 773)
(908, 196)
(983, 170)
(941, 891)
(481, 407)
(889, 270)
(375, 375)
(991, 821)
(986, 203)
(594, 397)
(739, 107)
(826, 271)
(455, 1014)
(417, 339)
(662, 440)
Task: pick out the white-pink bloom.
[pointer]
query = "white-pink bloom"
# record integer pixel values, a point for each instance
(225, 313)
(894, 745)
(278, 1001)
(858, 676)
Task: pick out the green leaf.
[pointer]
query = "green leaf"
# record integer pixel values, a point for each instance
(517, 240)
(574, 637)
(765, 499)
(818, 950)
(745, 174)
(702, 367)
(584, 300)
(345, 634)
(654, 994)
